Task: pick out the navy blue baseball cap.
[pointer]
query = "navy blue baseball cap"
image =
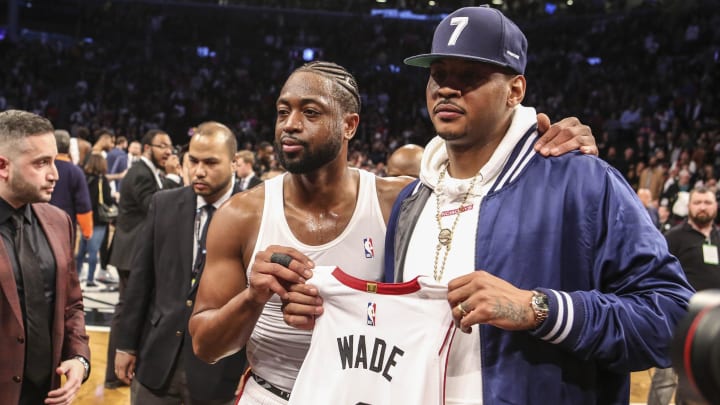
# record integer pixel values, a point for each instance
(481, 34)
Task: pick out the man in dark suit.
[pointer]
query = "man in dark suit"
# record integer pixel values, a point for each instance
(152, 333)
(154, 172)
(41, 311)
(246, 177)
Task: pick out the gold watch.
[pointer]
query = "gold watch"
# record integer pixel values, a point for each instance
(539, 305)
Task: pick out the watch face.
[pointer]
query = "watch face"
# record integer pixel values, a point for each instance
(540, 301)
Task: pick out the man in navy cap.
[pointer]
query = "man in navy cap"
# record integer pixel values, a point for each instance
(554, 269)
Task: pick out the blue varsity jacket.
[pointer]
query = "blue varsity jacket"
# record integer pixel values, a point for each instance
(571, 227)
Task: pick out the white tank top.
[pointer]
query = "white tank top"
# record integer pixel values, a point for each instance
(377, 343)
(275, 350)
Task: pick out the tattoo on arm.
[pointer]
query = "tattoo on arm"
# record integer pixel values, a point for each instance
(510, 311)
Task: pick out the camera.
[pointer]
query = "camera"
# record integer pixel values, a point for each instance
(696, 348)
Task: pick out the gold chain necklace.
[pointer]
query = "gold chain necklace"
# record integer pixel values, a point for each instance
(445, 235)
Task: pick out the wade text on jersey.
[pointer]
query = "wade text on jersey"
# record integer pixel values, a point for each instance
(378, 362)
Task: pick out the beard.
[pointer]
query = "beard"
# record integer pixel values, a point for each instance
(213, 190)
(26, 191)
(156, 162)
(308, 159)
(702, 218)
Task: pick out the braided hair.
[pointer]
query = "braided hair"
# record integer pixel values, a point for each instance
(346, 88)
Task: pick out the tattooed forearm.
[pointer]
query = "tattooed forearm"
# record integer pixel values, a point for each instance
(510, 311)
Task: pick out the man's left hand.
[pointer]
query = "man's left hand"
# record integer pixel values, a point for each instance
(564, 136)
(482, 298)
(74, 370)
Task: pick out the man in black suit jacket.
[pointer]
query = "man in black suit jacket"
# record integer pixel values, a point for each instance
(152, 334)
(155, 171)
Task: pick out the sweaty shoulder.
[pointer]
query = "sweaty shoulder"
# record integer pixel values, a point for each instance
(388, 189)
(246, 205)
(238, 219)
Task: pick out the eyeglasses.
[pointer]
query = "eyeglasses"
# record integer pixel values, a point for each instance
(162, 146)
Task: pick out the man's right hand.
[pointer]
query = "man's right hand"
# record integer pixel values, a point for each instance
(125, 366)
(268, 278)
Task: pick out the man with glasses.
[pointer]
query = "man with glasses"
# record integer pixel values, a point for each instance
(158, 169)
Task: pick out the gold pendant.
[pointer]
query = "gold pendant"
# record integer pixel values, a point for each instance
(445, 236)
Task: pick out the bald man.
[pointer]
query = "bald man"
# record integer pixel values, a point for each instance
(405, 161)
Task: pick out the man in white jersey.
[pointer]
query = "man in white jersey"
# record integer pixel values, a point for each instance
(334, 214)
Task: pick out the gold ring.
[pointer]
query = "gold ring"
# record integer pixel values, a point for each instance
(462, 309)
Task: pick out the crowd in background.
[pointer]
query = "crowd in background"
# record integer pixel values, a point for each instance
(645, 80)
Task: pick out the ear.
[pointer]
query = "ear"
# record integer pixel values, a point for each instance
(516, 90)
(350, 125)
(4, 168)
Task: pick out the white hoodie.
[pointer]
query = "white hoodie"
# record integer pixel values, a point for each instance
(464, 379)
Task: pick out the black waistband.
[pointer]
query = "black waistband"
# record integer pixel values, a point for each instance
(275, 390)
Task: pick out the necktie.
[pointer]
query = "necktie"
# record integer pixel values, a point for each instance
(37, 330)
(161, 176)
(200, 256)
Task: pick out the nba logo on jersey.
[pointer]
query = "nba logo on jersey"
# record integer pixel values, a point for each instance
(369, 250)
(371, 314)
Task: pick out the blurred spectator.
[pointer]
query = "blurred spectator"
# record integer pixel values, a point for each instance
(405, 161)
(264, 158)
(646, 198)
(104, 142)
(71, 189)
(99, 187)
(80, 146)
(244, 172)
(664, 219)
(677, 195)
(652, 178)
(117, 159)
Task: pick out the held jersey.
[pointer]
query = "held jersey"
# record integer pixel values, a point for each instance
(275, 350)
(376, 343)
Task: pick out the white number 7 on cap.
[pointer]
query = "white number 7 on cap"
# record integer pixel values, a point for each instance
(461, 23)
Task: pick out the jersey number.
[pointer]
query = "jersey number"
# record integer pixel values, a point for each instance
(460, 23)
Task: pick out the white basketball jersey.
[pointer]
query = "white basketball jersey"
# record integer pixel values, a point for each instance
(275, 350)
(376, 343)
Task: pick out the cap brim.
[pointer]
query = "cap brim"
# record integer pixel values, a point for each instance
(425, 60)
